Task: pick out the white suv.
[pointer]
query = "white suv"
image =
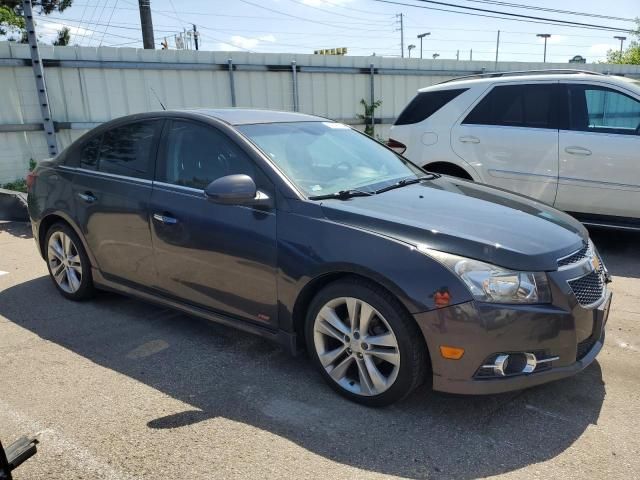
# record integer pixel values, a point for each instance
(568, 138)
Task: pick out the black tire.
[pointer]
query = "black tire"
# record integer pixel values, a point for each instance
(86, 289)
(414, 359)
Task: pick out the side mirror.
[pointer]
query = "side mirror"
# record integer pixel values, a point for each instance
(237, 189)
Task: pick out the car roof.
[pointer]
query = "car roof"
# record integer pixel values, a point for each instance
(473, 80)
(245, 116)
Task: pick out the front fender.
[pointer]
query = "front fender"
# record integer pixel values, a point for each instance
(310, 248)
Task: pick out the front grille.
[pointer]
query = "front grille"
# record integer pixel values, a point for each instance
(574, 257)
(588, 289)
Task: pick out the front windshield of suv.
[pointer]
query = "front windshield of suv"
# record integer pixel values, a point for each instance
(323, 158)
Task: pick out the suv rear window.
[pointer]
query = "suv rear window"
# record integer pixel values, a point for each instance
(532, 106)
(426, 104)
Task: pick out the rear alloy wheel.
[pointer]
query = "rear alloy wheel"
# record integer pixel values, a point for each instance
(68, 263)
(364, 343)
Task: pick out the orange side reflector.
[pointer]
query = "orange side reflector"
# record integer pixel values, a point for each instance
(452, 353)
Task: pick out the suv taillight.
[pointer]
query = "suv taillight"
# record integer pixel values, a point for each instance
(31, 179)
(396, 146)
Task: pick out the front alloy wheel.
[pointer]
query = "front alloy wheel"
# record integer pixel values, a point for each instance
(364, 342)
(356, 346)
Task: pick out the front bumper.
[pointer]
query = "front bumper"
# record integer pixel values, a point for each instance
(574, 335)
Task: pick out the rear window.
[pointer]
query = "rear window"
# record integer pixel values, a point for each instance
(532, 106)
(426, 104)
(127, 150)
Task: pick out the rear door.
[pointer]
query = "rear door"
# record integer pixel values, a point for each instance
(221, 257)
(511, 137)
(112, 189)
(600, 152)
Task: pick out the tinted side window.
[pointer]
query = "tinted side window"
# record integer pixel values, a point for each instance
(600, 109)
(196, 155)
(426, 104)
(532, 106)
(128, 150)
(89, 153)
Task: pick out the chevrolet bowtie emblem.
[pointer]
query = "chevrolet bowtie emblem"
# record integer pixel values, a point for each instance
(595, 263)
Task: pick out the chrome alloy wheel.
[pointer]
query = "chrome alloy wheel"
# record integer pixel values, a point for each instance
(64, 262)
(356, 346)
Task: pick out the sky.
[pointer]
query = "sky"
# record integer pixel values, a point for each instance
(363, 26)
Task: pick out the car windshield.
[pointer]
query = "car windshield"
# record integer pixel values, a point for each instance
(323, 158)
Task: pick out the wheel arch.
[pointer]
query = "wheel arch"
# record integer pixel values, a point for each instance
(317, 283)
(50, 219)
(449, 168)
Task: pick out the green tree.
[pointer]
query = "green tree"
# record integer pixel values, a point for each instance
(629, 56)
(63, 38)
(11, 19)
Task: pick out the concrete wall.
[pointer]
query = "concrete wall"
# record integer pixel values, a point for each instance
(89, 93)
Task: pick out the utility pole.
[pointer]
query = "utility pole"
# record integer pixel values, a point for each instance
(400, 16)
(622, 39)
(195, 36)
(457, 54)
(471, 54)
(497, 49)
(421, 36)
(545, 36)
(146, 24)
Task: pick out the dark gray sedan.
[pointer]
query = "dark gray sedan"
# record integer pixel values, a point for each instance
(309, 233)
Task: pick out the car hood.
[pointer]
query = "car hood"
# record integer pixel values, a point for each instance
(468, 219)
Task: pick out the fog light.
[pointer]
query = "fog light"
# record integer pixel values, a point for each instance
(452, 353)
(506, 364)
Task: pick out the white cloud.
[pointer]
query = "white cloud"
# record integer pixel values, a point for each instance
(238, 42)
(601, 49)
(48, 31)
(553, 39)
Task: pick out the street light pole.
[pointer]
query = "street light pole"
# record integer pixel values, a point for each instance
(409, 48)
(421, 36)
(622, 39)
(545, 36)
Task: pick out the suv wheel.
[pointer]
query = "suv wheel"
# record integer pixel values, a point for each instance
(367, 347)
(68, 263)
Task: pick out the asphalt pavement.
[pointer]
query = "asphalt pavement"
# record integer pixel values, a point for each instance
(120, 389)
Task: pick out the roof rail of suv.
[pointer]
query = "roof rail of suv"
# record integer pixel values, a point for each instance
(551, 71)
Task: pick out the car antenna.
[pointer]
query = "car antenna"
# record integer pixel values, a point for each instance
(158, 98)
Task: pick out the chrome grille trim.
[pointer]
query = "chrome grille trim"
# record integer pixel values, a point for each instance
(576, 257)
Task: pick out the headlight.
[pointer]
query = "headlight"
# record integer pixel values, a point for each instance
(490, 283)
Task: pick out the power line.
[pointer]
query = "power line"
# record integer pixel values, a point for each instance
(516, 17)
(112, 25)
(109, 21)
(298, 17)
(330, 12)
(551, 10)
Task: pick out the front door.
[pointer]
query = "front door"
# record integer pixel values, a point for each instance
(112, 189)
(511, 138)
(221, 257)
(600, 153)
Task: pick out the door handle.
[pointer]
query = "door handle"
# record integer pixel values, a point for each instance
(469, 139)
(165, 219)
(87, 197)
(577, 151)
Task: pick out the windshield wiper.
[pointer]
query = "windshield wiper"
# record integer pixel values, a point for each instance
(343, 195)
(406, 181)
